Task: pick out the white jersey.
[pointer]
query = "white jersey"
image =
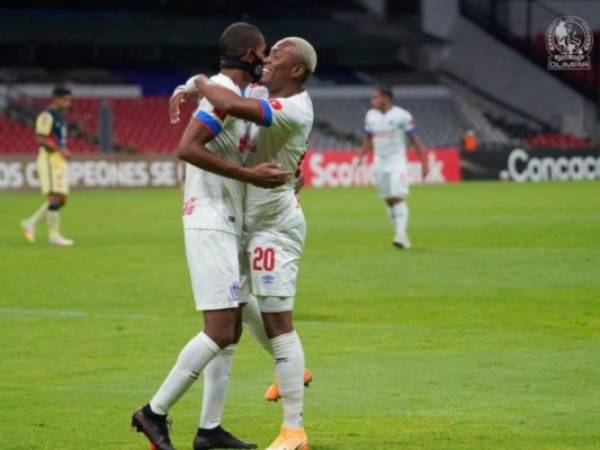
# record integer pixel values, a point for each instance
(212, 201)
(287, 123)
(389, 130)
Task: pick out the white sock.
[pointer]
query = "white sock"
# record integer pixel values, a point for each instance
(289, 365)
(193, 358)
(392, 215)
(53, 219)
(38, 215)
(252, 319)
(216, 383)
(401, 217)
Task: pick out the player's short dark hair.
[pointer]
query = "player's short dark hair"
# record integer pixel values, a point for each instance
(61, 91)
(386, 91)
(239, 37)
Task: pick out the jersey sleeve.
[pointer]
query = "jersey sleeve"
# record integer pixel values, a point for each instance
(408, 124)
(209, 116)
(43, 124)
(280, 113)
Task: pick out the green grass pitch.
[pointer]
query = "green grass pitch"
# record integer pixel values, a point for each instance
(485, 336)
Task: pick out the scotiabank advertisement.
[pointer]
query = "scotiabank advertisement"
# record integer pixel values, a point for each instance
(334, 168)
(340, 168)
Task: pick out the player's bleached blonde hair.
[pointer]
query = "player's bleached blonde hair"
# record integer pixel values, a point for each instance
(305, 52)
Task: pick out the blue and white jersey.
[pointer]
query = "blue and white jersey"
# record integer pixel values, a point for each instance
(388, 130)
(212, 201)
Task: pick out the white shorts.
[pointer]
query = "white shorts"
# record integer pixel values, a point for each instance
(273, 259)
(392, 181)
(213, 260)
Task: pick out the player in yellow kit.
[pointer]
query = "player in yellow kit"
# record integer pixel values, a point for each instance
(51, 136)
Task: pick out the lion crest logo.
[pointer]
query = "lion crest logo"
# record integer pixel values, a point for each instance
(569, 43)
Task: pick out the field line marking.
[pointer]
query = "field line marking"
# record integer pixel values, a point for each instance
(74, 314)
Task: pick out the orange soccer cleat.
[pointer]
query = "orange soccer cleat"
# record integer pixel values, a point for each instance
(290, 439)
(272, 393)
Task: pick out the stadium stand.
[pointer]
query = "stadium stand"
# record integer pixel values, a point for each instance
(141, 125)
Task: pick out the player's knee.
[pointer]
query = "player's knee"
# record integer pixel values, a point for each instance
(277, 324)
(55, 202)
(55, 205)
(394, 201)
(221, 337)
(237, 335)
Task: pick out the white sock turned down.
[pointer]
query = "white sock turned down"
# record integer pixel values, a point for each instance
(194, 357)
(216, 384)
(37, 216)
(289, 365)
(400, 214)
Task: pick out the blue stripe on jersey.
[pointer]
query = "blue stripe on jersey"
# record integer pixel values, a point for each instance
(411, 130)
(267, 113)
(210, 122)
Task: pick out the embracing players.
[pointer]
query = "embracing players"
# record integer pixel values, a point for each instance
(212, 218)
(273, 218)
(387, 129)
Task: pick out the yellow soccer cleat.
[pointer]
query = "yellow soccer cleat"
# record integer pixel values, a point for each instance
(28, 231)
(290, 439)
(272, 393)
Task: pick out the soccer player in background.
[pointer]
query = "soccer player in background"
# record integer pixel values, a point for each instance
(212, 219)
(387, 130)
(273, 219)
(51, 136)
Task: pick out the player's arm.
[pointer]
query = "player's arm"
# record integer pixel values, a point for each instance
(182, 93)
(232, 104)
(193, 151)
(43, 134)
(416, 144)
(48, 142)
(367, 147)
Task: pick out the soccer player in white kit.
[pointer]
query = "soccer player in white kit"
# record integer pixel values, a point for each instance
(273, 219)
(212, 218)
(387, 130)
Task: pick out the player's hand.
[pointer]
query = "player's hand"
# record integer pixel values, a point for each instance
(267, 175)
(175, 101)
(66, 154)
(299, 183)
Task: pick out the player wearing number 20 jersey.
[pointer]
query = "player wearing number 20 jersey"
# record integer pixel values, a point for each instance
(273, 219)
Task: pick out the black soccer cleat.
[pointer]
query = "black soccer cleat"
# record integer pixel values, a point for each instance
(154, 426)
(218, 438)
